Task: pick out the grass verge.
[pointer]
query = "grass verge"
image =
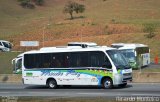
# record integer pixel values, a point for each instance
(6, 62)
(57, 99)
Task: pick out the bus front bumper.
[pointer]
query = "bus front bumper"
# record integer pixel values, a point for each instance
(121, 79)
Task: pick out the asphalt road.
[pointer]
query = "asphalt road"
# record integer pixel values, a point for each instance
(132, 89)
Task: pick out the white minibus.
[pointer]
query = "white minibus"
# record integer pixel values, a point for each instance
(102, 66)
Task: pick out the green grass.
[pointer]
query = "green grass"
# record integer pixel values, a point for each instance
(5, 62)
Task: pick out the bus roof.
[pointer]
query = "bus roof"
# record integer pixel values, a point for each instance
(86, 43)
(58, 47)
(20, 55)
(69, 49)
(127, 45)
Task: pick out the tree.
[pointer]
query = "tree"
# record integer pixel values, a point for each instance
(150, 29)
(69, 8)
(26, 4)
(30, 3)
(72, 7)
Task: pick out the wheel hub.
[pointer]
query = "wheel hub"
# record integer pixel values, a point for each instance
(51, 84)
(107, 84)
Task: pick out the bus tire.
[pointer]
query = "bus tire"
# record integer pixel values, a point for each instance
(52, 84)
(107, 83)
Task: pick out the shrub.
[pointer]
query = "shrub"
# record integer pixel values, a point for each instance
(30, 3)
(150, 29)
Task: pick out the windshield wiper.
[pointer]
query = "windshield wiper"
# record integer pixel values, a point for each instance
(120, 66)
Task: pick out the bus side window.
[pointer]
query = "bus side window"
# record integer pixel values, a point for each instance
(96, 58)
(84, 59)
(107, 63)
(65, 60)
(55, 61)
(59, 60)
(45, 60)
(74, 59)
(79, 59)
(58, 63)
(52, 62)
(94, 61)
(0, 44)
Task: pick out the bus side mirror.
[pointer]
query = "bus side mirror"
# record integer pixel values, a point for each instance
(135, 53)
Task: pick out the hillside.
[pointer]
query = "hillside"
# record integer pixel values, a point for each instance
(103, 22)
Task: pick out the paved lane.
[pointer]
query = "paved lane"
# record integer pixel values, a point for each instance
(132, 89)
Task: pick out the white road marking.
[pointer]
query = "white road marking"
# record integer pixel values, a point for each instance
(145, 94)
(91, 93)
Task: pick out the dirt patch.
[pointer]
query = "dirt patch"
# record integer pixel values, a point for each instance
(74, 31)
(11, 78)
(122, 28)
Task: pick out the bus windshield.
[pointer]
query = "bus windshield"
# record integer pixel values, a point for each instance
(129, 54)
(118, 59)
(7, 45)
(19, 64)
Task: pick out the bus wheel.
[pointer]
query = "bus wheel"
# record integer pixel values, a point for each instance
(52, 84)
(107, 83)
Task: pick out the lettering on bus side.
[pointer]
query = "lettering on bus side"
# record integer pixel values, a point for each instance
(59, 73)
(49, 73)
(72, 72)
